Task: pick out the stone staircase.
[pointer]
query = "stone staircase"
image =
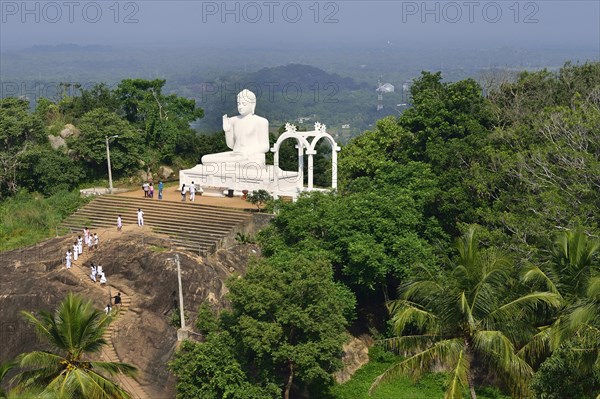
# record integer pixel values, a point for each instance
(194, 227)
(108, 352)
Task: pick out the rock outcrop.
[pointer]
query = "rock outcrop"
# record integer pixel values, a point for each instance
(68, 131)
(136, 261)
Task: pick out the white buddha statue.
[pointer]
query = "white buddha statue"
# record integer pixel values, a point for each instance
(246, 134)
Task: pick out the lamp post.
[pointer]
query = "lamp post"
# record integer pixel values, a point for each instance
(182, 333)
(110, 185)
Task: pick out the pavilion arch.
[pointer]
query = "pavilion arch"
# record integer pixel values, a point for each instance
(334, 150)
(304, 146)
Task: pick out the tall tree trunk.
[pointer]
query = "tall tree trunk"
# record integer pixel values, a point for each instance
(471, 387)
(469, 376)
(288, 385)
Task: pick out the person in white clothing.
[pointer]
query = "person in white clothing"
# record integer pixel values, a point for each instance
(102, 278)
(80, 245)
(119, 223)
(93, 273)
(86, 236)
(192, 192)
(107, 309)
(68, 258)
(140, 217)
(96, 241)
(75, 250)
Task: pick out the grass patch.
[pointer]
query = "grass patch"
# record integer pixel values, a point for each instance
(156, 248)
(28, 218)
(431, 386)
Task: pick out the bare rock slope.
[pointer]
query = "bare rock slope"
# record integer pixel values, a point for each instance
(137, 263)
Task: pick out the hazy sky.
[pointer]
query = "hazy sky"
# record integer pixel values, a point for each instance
(478, 24)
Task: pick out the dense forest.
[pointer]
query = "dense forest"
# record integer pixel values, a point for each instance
(463, 237)
(472, 217)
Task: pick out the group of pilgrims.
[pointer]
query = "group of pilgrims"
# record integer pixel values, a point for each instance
(91, 241)
(96, 271)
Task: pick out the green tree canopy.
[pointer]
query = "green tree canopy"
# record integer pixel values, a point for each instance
(164, 119)
(284, 333)
(373, 234)
(210, 370)
(289, 318)
(19, 129)
(48, 171)
(90, 146)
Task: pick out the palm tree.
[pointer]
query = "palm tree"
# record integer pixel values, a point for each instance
(74, 330)
(4, 369)
(572, 274)
(464, 314)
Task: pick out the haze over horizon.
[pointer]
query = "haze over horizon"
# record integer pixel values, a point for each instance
(273, 24)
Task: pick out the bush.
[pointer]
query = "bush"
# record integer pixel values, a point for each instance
(207, 321)
(259, 198)
(560, 377)
(175, 319)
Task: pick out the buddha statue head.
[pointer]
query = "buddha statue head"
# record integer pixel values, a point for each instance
(246, 102)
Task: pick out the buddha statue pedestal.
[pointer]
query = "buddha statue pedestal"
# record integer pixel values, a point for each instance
(217, 179)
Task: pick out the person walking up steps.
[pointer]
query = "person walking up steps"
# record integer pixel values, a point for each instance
(140, 217)
(160, 189)
(117, 299)
(96, 241)
(183, 192)
(192, 192)
(75, 250)
(93, 273)
(68, 258)
(119, 223)
(80, 245)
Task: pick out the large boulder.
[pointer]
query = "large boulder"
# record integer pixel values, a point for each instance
(164, 172)
(68, 131)
(56, 141)
(144, 176)
(356, 355)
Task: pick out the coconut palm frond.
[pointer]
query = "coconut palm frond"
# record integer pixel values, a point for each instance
(527, 303)
(405, 313)
(459, 378)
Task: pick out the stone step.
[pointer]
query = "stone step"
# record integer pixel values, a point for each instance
(193, 227)
(101, 222)
(188, 246)
(125, 203)
(108, 352)
(151, 202)
(207, 234)
(113, 209)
